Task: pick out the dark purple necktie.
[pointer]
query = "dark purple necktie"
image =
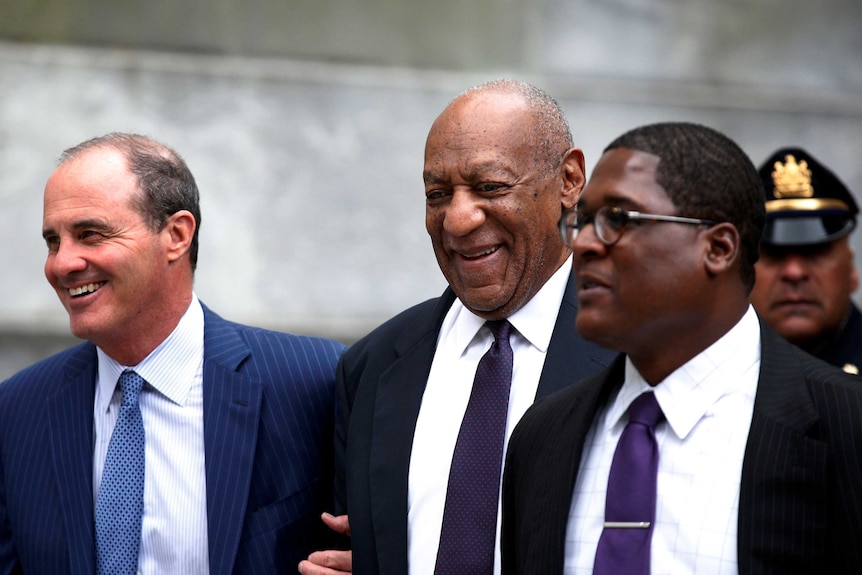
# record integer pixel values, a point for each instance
(469, 529)
(624, 547)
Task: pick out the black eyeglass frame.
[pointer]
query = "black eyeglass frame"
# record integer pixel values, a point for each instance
(606, 214)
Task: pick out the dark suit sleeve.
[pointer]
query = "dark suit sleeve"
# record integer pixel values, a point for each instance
(343, 403)
(344, 396)
(46, 515)
(844, 435)
(542, 462)
(508, 532)
(537, 487)
(838, 397)
(289, 380)
(800, 503)
(9, 564)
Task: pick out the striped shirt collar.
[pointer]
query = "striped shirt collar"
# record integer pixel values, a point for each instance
(170, 368)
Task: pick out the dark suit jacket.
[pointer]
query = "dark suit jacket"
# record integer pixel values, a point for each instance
(379, 390)
(267, 430)
(800, 507)
(847, 347)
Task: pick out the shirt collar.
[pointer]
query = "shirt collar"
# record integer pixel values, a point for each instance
(687, 394)
(531, 321)
(170, 368)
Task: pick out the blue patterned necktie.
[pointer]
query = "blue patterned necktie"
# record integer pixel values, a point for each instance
(624, 547)
(120, 505)
(469, 530)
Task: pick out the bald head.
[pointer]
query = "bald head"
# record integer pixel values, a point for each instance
(547, 129)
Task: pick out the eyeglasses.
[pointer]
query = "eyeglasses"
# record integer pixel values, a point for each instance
(610, 222)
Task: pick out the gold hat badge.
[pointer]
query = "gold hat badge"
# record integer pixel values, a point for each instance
(792, 179)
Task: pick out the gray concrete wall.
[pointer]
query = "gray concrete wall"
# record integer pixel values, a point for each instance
(450, 34)
(308, 147)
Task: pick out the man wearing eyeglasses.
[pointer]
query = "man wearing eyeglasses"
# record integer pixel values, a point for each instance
(711, 445)
(806, 275)
(500, 168)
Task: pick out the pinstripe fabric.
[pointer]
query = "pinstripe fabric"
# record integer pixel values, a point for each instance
(267, 425)
(801, 483)
(45, 458)
(800, 503)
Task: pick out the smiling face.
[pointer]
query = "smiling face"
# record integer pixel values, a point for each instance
(493, 201)
(804, 292)
(120, 282)
(644, 294)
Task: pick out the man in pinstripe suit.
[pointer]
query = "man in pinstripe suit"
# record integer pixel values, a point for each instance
(237, 420)
(760, 445)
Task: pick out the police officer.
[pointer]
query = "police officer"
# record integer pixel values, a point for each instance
(806, 274)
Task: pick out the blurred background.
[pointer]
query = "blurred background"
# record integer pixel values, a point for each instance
(304, 122)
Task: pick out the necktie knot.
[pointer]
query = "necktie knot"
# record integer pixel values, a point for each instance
(646, 410)
(130, 384)
(501, 329)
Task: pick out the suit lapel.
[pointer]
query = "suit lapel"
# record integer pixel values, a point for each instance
(588, 397)
(232, 405)
(399, 396)
(540, 474)
(782, 469)
(70, 429)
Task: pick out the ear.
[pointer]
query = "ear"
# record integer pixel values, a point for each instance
(574, 177)
(722, 248)
(178, 233)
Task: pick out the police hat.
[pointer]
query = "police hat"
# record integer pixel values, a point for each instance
(806, 203)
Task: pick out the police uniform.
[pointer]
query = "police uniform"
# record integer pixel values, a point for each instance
(806, 204)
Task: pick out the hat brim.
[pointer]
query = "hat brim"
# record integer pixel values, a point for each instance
(806, 230)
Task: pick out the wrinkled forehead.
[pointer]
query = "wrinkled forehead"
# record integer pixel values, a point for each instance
(93, 165)
(471, 137)
(97, 176)
(483, 119)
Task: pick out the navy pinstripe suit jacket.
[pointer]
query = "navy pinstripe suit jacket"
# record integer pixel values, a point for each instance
(268, 417)
(800, 507)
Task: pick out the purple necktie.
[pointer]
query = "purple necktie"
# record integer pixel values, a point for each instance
(624, 547)
(469, 529)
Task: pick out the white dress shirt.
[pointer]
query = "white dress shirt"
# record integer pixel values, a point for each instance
(708, 405)
(460, 345)
(174, 531)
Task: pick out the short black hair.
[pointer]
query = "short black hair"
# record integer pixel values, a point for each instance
(166, 183)
(706, 175)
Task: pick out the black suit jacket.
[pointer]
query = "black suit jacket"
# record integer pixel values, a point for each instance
(379, 389)
(847, 347)
(800, 507)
